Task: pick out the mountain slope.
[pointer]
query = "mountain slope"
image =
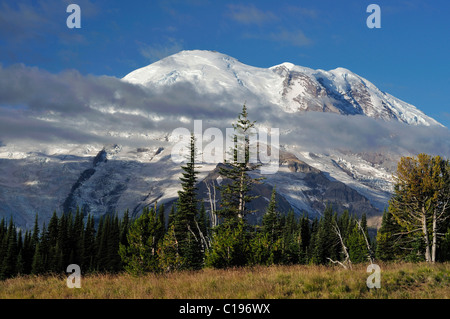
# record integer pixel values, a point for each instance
(293, 88)
(44, 177)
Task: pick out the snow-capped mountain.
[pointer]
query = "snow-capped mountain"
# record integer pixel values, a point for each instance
(293, 88)
(137, 170)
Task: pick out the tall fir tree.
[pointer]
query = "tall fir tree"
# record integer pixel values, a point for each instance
(235, 193)
(185, 223)
(8, 268)
(325, 239)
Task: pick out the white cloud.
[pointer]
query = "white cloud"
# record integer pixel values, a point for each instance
(155, 52)
(291, 37)
(41, 106)
(249, 14)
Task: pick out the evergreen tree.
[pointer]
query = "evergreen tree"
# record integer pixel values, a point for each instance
(89, 249)
(102, 244)
(124, 227)
(271, 220)
(305, 242)
(40, 259)
(77, 243)
(229, 245)
(54, 246)
(27, 252)
(63, 242)
(185, 223)
(271, 237)
(140, 255)
(261, 249)
(387, 244)
(356, 244)
(202, 220)
(35, 236)
(235, 191)
(161, 225)
(325, 240)
(113, 261)
(169, 258)
(444, 251)
(171, 217)
(292, 240)
(8, 268)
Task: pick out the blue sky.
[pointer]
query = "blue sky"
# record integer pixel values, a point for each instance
(408, 57)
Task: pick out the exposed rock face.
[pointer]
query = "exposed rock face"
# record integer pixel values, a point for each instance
(42, 178)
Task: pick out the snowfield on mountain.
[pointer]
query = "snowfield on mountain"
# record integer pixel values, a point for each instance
(340, 139)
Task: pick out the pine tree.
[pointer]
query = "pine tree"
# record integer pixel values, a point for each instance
(261, 249)
(271, 219)
(35, 236)
(103, 251)
(161, 224)
(171, 217)
(40, 259)
(202, 220)
(124, 227)
(63, 242)
(229, 245)
(54, 247)
(291, 240)
(8, 268)
(387, 235)
(89, 250)
(356, 244)
(325, 241)
(77, 233)
(3, 242)
(235, 193)
(305, 239)
(185, 224)
(27, 252)
(113, 262)
(140, 255)
(169, 258)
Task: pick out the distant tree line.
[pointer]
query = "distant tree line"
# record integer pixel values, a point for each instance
(67, 239)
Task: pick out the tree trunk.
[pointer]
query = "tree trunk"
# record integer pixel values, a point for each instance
(433, 248)
(241, 196)
(425, 235)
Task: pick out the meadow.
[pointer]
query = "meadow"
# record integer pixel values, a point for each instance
(398, 281)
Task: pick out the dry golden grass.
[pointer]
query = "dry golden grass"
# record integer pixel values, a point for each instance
(402, 281)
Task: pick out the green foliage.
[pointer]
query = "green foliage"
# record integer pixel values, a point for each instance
(387, 238)
(139, 256)
(420, 203)
(186, 227)
(229, 245)
(235, 192)
(168, 252)
(325, 239)
(356, 244)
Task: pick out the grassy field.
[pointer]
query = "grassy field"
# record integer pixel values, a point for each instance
(398, 281)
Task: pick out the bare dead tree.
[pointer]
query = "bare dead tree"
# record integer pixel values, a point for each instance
(204, 239)
(347, 263)
(212, 202)
(369, 248)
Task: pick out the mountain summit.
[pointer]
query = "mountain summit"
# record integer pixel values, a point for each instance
(293, 88)
(340, 137)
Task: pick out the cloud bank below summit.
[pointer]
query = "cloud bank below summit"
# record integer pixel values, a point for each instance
(39, 106)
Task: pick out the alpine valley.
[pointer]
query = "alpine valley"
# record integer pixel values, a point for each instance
(340, 140)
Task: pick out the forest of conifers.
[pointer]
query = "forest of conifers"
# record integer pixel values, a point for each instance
(415, 227)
